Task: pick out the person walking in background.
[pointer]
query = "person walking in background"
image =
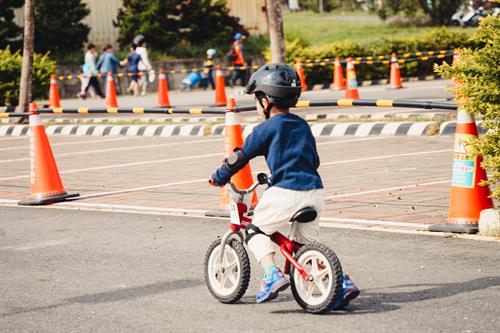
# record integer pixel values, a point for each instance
(90, 72)
(108, 62)
(237, 57)
(132, 62)
(144, 66)
(208, 67)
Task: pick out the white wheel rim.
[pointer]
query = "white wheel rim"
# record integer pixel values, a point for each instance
(316, 265)
(224, 278)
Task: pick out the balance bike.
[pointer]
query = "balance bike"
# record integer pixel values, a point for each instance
(314, 270)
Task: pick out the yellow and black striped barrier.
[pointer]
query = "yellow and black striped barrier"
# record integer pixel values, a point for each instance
(385, 103)
(380, 59)
(424, 55)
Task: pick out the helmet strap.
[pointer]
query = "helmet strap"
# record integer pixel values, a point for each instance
(267, 111)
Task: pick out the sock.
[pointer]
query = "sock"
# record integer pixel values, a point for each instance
(268, 270)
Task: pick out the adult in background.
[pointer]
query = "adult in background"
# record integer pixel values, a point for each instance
(108, 62)
(90, 73)
(237, 57)
(145, 65)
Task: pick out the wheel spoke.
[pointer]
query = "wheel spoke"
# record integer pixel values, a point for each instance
(232, 278)
(310, 289)
(320, 286)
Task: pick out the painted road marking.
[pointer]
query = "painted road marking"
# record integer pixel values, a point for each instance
(396, 188)
(79, 142)
(118, 149)
(152, 210)
(122, 165)
(33, 246)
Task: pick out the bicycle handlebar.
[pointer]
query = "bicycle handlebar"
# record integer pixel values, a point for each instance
(261, 180)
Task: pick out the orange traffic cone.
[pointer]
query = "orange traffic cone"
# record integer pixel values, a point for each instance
(46, 185)
(220, 88)
(234, 139)
(338, 76)
(300, 70)
(163, 100)
(467, 198)
(395, 76)
(111, 100)
(54, 101)
(351, 89)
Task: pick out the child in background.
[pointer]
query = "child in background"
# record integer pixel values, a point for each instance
(208, 67)
(132, 62)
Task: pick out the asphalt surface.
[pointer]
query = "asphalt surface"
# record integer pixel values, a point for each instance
(84, 271)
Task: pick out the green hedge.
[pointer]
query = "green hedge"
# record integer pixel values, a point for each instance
(10, 75)
(433, 40)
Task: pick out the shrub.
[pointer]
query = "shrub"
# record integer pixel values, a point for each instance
(479, 92)
(10, 74)
(436, 39)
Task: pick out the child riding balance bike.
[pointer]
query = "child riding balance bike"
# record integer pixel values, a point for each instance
(294, 194)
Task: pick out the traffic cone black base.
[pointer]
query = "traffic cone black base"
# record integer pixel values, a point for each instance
(46, 200)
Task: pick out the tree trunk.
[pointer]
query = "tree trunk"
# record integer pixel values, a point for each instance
(276, 33)
(26, 71)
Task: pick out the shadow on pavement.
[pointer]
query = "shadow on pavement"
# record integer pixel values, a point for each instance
(376, 302)
(124, 294)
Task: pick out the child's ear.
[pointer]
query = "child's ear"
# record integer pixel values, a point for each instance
(265, 102)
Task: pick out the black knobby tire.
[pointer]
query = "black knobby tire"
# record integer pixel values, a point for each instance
(243, 274)
(330, 259)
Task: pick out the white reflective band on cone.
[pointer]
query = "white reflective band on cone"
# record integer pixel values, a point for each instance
(232, 119)
(464, 117)
(35, 120)
(162, 76)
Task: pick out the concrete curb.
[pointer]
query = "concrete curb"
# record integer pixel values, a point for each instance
(326, 129)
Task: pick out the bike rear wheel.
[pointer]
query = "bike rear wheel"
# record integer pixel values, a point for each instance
(227, 281)
(322, 264)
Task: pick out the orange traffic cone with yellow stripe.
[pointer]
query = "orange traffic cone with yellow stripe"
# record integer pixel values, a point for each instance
(467, 198)
(234, 139)
(163, 99)
(351, 89)
(300, 70)
(338, 76)
(395, 76)
(220, 88)
(111, 100)
(46, 184)
(54, 100)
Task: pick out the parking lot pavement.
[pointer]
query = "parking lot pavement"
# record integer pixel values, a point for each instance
(392, 179)
(85, 271)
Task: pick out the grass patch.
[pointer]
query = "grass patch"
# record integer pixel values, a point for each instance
(319, 29)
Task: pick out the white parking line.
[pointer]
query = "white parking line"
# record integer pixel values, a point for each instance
(118, 149)
(79, 142)
(122, 165)
(33, 246)
(396, 188)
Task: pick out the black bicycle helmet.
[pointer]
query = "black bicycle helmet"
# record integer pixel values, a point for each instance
(280, 83)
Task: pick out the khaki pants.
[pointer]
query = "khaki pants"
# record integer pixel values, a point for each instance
(274, 211)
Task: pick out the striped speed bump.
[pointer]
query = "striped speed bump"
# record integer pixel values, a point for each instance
(319, 129)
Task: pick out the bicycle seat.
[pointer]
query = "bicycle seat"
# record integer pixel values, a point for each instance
(307, 214)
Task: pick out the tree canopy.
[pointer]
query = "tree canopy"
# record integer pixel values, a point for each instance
(168, 23)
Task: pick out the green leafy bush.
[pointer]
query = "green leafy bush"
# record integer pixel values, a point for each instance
(10, 74)
(479, 92)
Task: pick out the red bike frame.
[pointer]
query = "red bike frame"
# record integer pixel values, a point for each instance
(287, 246)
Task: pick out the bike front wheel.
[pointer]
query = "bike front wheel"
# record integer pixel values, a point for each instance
(227, 280)
(320, 293)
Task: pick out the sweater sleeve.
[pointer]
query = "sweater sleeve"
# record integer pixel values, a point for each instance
(253, 146)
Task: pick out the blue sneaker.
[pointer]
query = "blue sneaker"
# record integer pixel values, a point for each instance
(348, 293)
(273, 283)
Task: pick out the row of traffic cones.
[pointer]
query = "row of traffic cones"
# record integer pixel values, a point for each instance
(163, 99)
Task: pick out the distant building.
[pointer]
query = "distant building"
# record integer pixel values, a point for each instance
(102, 13)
